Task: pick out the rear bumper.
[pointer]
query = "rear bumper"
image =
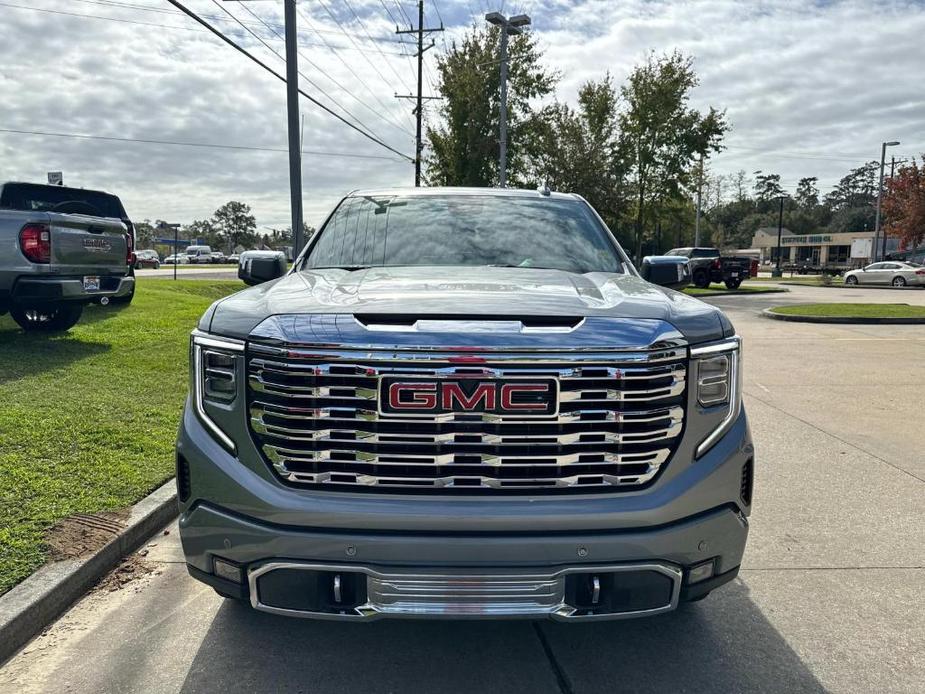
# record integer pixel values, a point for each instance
(55, 289)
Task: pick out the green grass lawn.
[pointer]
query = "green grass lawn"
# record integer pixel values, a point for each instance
(721, 289)
(88, 418)
(853, 310)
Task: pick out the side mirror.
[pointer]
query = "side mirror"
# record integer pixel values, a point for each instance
(257, 267)
(672, 271)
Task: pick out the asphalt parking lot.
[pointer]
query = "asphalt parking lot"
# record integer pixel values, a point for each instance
(831, 596)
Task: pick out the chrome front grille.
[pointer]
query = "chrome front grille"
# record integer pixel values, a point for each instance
(314, 416)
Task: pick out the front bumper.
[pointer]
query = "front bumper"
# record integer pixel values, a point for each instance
(237, 516)
(56, 289)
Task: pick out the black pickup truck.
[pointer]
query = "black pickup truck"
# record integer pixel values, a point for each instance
(708, 266)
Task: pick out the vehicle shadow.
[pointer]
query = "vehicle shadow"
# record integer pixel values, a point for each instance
(722, 644)
(26, 354)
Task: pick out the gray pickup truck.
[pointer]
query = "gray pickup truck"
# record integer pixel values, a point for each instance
(61, 248)
(464, 403)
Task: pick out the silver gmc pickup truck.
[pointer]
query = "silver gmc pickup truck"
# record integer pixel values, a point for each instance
(464, 403)
(61, 248)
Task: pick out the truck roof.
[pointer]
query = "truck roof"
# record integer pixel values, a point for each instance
(448, 190)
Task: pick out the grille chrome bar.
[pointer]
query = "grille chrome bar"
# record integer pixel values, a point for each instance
(314, 416)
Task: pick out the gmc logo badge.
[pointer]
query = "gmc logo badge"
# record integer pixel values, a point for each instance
(96, 245)
(535, 397)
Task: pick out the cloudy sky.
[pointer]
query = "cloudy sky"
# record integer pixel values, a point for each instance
(811, 89)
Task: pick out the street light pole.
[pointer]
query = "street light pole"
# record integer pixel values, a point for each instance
(509, 27)
(776, 272)
(873, 251)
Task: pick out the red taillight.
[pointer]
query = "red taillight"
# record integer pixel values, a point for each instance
(129, 250)
(717, 264)
(920, 272)
(35, 242)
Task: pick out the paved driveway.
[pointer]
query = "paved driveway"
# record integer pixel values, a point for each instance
(831, 595)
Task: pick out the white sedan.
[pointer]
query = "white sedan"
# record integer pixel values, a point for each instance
(894, 272)
(177, 259)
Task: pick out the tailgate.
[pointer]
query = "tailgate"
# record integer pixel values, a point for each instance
(81, 243)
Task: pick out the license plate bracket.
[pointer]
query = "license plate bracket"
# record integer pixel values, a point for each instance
(91, 283)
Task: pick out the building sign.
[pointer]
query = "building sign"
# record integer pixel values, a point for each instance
(861, 248)
(805, 240)
(55, 178)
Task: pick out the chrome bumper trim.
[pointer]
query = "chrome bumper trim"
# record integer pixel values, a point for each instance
(466, 594)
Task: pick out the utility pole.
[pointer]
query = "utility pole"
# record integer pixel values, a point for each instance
(509, 27)
(699, 201)
(874, 249)
(419, 109)
(295, 140)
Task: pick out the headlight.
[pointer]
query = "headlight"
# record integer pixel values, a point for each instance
(214, 377)
(719, 389)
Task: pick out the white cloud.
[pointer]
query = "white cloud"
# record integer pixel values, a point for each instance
(814, 79)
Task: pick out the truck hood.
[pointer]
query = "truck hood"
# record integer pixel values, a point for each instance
(471, 292)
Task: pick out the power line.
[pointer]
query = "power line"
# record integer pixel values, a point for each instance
(95, 16)
(302, 75)
(347, 65)
(121, 20)
(280, 77)
(387, 62)
(215, 17)
(209, 145)
(371, 63)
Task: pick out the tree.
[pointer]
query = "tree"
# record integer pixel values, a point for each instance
(235, 224)
(767, 187)
(145, 233)
(579, 150)
(464, 147)
(807, 192)
(903, 205)
(857, 189)
(661, 138)
(202, 229)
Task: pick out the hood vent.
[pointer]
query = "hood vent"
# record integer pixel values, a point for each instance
(466, 323)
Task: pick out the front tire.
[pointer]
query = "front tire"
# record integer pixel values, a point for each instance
(48, 319)
(701, 279)
(733, 284)
(851, 279)
(899, 282)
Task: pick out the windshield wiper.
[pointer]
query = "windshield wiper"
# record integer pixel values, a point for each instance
(351, 268)
(522, 267)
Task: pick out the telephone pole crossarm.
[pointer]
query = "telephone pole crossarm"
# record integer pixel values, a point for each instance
(418, 112)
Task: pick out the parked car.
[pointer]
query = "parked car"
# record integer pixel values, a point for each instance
(198, 254)
(218, 257)
(62, 248)
(177, 259)
(234, 258)
(708, 266)
(145, 259)
(893, 272)
(491, 415)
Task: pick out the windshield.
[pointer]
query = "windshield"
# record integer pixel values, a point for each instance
(469, 230)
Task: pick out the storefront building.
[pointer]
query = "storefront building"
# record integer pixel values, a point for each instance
(846, 250)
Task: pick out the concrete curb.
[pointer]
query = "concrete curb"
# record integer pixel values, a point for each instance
(36, 602)
(768, 313)
(849, 286)
(736, 292)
